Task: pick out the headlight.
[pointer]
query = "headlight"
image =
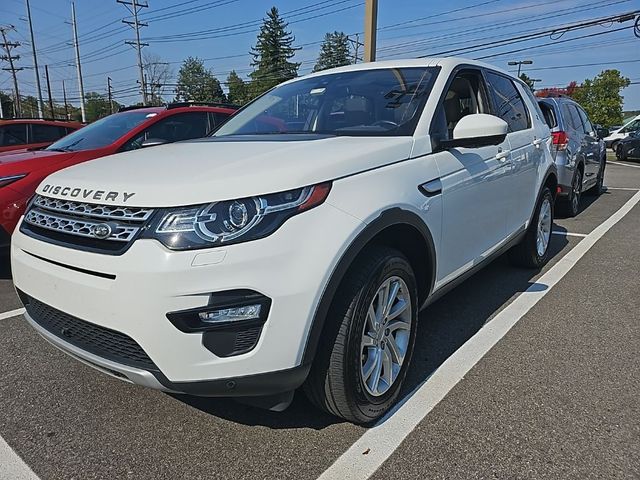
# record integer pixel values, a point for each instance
(233, 221)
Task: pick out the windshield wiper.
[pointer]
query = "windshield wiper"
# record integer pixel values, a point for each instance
(67, 148)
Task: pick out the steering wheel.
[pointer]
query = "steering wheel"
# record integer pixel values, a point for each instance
(382, 123)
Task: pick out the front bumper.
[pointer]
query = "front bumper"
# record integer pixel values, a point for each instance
(132, 294)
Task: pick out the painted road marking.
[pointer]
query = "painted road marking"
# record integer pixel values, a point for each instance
(12, 466)
(11, 313)
(569, 234)
(623, 164)
(623, 188)
(380, 441)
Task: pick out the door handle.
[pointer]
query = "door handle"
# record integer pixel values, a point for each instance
(503, 155)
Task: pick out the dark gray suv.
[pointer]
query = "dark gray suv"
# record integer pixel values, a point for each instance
(579, 153)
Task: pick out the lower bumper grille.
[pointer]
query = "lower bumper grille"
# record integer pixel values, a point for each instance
(101, 341)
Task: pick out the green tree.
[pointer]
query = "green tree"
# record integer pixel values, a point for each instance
(96, 106)
(334, 52)
(238, 91)
(528, 80)
(601, 97)
(197, 84)
(272, 54)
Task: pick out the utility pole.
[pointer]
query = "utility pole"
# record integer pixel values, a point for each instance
(78, 65)
(35, 61)
(370, 30)
(134, 6)
(109, 94)
(46, 72)
(64, 96)
(8, 46)
(356, 47)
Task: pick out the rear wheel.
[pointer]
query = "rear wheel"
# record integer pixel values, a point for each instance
(368, 338)
(570, 205)
(533, 250)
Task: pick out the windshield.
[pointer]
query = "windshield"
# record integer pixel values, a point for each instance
(358, 103)
(101, 133)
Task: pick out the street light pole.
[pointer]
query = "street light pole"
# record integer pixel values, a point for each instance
(519, 63)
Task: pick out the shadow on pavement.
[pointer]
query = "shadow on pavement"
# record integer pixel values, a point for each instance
(444, 327)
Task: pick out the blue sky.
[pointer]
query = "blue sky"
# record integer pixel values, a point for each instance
(407, 28)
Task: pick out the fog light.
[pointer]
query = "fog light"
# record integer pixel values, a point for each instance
(235, 314)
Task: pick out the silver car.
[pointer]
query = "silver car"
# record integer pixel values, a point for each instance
(578, 149)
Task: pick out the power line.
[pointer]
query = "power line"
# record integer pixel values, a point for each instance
(9, 57)
(135, 6)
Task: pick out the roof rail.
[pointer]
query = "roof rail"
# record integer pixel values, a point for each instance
(202, 104)
(555, 95)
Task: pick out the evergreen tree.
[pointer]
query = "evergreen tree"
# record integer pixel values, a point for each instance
(197, 84)
(272, 54)
(334, 52)
(238, 91)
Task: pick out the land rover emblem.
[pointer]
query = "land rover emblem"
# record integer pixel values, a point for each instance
(102, 231)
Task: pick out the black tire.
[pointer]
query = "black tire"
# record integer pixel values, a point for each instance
(525, 254)
(620, 154)
(614, 145)
(598, 189)
(570, 205)
(335, 381)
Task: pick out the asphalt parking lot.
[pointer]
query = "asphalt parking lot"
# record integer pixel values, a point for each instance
(555, 397)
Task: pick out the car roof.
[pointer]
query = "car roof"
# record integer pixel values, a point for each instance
(445, 62)
(179, 108)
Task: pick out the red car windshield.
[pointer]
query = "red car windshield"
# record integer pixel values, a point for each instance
(100, 133)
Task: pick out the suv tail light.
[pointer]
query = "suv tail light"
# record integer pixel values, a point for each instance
(560, 140)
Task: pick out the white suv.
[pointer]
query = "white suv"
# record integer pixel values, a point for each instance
(297, 245)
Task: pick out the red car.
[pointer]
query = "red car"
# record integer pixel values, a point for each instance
(23, 133)
(21, 172)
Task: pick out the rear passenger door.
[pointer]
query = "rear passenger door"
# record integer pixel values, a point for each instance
(527, 153)
(591, 145)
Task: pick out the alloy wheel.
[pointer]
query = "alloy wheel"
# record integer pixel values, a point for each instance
(385, 336)
(544, 228)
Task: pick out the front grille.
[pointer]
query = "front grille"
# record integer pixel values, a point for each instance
(100, 341)
(77, 224)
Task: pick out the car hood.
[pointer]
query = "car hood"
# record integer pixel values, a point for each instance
(222, 168)
(30, 161)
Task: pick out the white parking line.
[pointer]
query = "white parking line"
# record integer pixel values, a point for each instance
(623, 164)
(378, 443)
(11, 465)
(11, 313)
(623, 188)
(569, 234)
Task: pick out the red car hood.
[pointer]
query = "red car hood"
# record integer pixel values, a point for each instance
(31, 160)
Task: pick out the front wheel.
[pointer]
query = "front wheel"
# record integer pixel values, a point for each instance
(533, 250)
(620, 154)
(368, 339)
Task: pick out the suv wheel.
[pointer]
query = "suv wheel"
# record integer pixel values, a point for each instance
(533, 250)
(368, 339)
(571, 205)
(620, 155)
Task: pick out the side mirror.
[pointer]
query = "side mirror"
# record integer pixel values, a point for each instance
(602, 132)
(477, 130)
(152, 142)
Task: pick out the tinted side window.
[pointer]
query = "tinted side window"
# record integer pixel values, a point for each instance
(573, 117)
(182, 126)
(218, 119)
(585, 121)
(46, 133)
(13, 135)
(508, 102)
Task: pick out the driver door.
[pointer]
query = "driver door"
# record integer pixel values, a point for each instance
(473, 181)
